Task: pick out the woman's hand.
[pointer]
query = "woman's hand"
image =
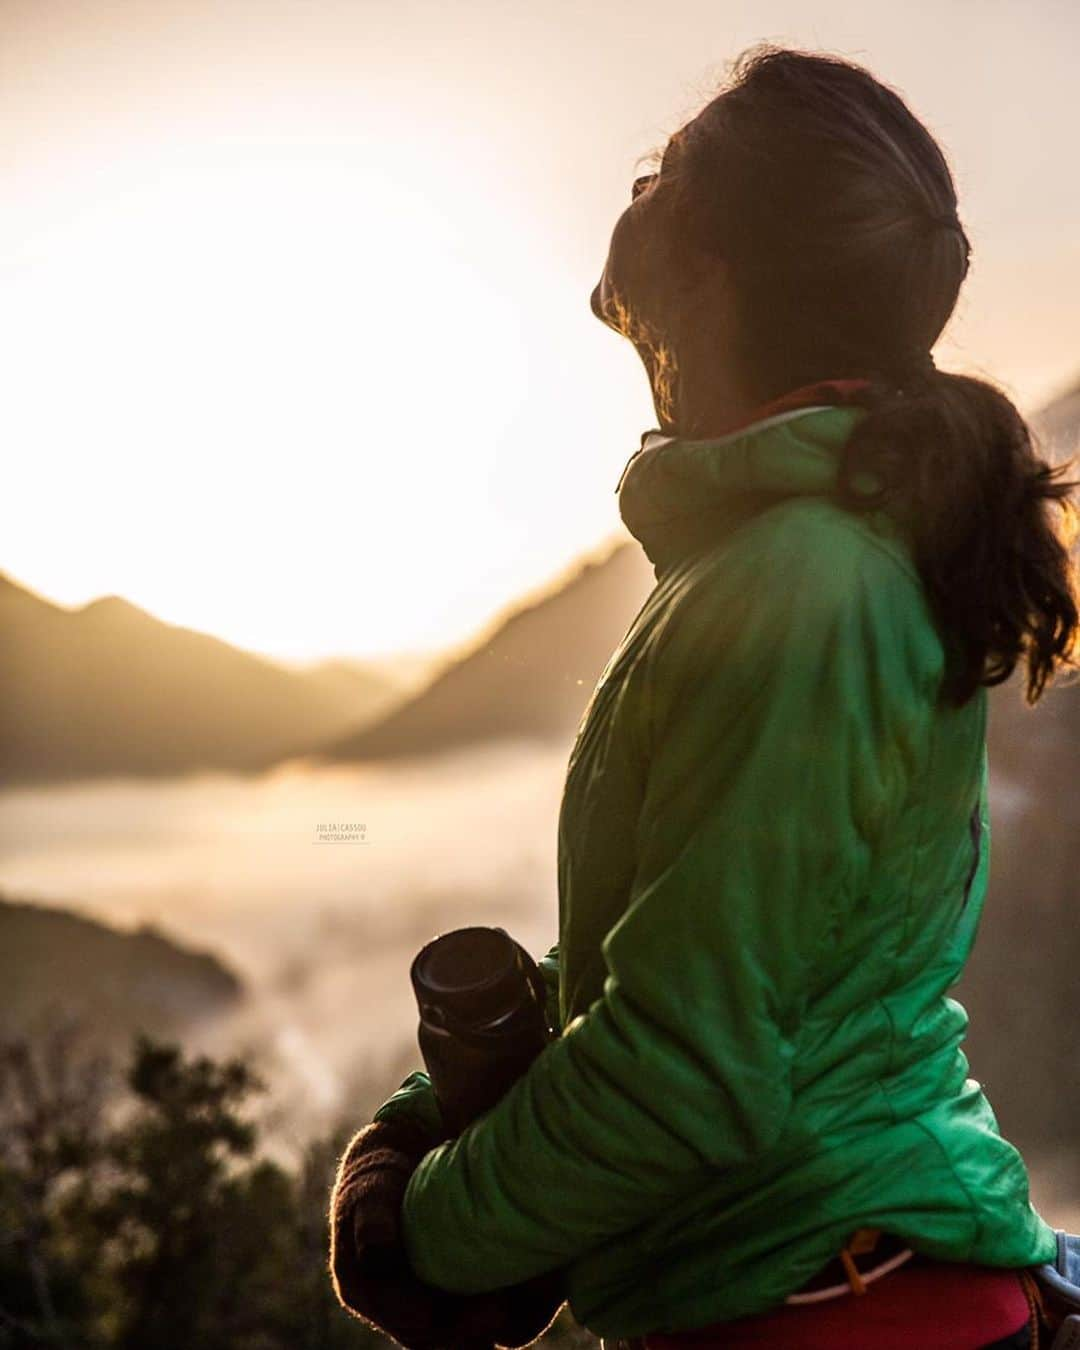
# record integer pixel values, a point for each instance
(370, 1267)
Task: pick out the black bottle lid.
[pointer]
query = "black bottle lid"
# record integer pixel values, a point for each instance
(472, 978)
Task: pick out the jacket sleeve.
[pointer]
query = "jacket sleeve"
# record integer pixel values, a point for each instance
(787, 708)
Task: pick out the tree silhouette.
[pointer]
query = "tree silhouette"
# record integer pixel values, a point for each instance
(135, 1213)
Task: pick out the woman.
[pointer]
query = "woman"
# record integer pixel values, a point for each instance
(756, 1127)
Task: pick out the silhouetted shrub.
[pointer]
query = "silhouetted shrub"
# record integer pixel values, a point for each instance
(135, 1211)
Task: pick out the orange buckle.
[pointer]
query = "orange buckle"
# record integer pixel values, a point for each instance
(863, 1240)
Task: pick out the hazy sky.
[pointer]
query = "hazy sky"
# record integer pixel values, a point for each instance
(294, 315)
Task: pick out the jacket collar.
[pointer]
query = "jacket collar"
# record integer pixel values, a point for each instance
(676, 496)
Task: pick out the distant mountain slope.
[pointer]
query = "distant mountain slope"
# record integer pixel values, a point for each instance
(1059, 422)
(367, 686)
(109, 689)
(529, 676)
(53, 960)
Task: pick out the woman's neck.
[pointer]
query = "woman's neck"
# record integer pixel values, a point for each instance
(704, 399)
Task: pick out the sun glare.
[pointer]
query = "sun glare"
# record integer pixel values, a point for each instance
(233, 362)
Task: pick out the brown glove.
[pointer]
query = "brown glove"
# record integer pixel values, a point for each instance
(370, 1268)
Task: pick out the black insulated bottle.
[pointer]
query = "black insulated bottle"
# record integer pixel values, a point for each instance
(482, 1020)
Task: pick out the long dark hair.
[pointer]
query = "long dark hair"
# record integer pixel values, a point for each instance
(836, 213)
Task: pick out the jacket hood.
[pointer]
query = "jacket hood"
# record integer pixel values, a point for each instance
(676, 496)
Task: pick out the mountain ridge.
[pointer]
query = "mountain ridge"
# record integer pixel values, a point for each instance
(527, 674)
(107, 688)
(56, 961)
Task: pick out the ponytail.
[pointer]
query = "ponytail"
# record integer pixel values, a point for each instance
(989, 521)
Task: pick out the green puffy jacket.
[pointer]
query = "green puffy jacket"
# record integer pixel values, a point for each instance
(773, 853)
